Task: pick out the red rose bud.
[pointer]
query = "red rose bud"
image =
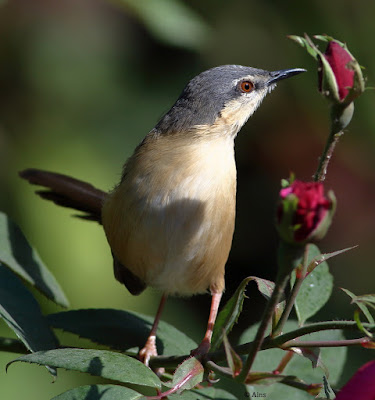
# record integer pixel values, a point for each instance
(304, 213)
(339, 60)
(340, 75)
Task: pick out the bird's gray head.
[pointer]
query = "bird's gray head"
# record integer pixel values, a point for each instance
(224, 97)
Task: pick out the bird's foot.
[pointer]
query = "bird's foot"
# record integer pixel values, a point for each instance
(149, 350)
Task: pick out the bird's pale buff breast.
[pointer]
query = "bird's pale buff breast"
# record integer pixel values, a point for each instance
(171, 219)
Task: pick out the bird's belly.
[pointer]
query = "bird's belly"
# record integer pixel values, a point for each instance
(199, 236)
(174, 230)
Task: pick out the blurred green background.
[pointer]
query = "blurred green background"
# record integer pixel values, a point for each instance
(82, 82)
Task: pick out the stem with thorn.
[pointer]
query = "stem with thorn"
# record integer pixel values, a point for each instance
(289, 257)
(293, 294)
(341, 115)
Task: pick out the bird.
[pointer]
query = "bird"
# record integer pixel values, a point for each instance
(170, 220)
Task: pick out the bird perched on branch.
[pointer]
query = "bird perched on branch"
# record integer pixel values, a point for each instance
(170, 220)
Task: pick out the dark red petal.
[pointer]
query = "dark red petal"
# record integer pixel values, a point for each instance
(338, 59)
(361, 386)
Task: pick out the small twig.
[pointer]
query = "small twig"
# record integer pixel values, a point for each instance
(256, 345)
(300, 385)
(327, 343)
(268, 343)
(284, 362)
(310, 328)
(217, 368)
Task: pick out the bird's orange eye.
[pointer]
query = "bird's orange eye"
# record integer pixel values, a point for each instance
(246, 86)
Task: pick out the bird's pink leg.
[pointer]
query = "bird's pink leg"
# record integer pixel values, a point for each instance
(204, 346)
(149, 350)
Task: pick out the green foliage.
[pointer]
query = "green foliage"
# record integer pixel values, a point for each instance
(233, 359)
(17, 254)
(121, 330)
(204, 394)
(300, 365)
(363, 302)
(300, 374)
(315, 289)
(21, 312)
(100, 392)
(187, 375)
(102, 363)
(229, 314)
(183, 27)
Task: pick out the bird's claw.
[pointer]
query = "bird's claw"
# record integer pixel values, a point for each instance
(149, 350)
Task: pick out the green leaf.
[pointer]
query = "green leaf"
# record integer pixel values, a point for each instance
(17, 254)
(315, 289)
(305, 43)
(267, 360)
(22, 313)
(209, 393)
(326, 256)
(368, 299)
(233, 359)
(357, 319)
(103, 363)
(171, 21)
(228, 316)
(362, 302)
(313, 354)
(327, 388)
(266, 288)
(121, 330)
(327, 39)
(187, 375)
(99, 392)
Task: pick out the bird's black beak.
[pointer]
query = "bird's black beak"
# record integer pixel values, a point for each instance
(276, 76)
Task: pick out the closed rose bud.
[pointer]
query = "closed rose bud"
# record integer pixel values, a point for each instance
(339, 60)
(304, 213)
(340, 75)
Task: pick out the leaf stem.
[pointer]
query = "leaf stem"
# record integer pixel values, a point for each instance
(306, 329)
(217, 368)
(309, 388)
(293, 294)
(256, 345)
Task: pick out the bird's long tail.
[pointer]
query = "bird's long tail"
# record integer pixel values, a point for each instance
(81, 196)
(67, 192)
